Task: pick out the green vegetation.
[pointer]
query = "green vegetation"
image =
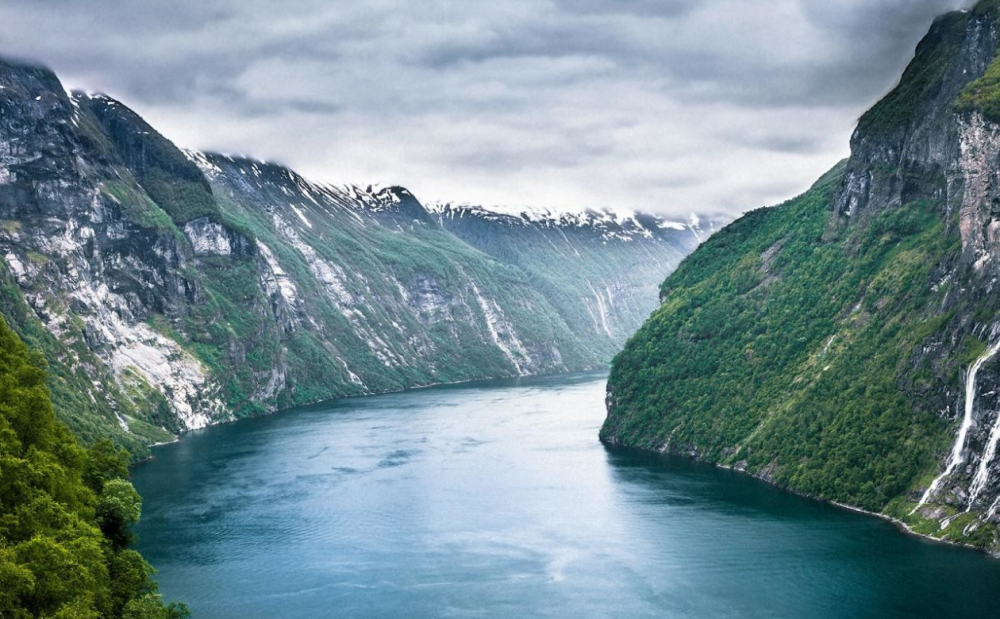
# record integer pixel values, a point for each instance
(926, 79)
(66, 512)
(373, 261)
(784, 344)
(175, 184)
(145, 212)
(983, 94)
(184, 200)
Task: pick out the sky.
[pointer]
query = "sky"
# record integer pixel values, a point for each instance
(668, 106)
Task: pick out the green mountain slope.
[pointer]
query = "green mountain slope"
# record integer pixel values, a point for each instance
(777, 349)
(824, 344)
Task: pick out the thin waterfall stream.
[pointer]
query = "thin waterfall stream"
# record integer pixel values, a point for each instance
(958, 449)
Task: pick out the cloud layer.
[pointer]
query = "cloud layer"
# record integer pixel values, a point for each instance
(663, 105)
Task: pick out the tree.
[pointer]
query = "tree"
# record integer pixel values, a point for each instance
(65, 512)
(119, 507)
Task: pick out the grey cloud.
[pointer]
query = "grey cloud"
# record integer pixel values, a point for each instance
(655, 8)
(670, 105)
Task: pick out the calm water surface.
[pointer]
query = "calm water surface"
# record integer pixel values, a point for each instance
(497, 500)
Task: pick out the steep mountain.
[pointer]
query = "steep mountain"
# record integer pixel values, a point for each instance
(843, 344)
(170, 290)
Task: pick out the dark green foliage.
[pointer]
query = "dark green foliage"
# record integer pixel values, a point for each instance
(781, 346)
(118, 508)
(151, 606)
(55, 499)
(183, 200)
(104, 462)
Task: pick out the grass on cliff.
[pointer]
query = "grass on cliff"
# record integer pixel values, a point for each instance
(983, 94)
(922, 77)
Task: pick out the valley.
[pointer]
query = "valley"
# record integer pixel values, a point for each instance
(170, 289)
(642, 395)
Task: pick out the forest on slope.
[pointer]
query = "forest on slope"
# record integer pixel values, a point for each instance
(66, 512)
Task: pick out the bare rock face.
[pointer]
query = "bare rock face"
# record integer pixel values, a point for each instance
(905, 147)
(171, 290)
(209, 238)
(88, 264)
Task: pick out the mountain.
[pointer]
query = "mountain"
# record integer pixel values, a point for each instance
(172, 289)
(606, 294)
(843, 344)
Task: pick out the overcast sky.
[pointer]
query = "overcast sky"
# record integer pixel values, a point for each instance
(665, 105)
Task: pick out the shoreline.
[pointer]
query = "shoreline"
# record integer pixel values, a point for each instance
(279, 411)
(907, 529)
(899, 524)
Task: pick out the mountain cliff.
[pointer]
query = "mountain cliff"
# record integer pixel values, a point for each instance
(170, 290)
(843, 344)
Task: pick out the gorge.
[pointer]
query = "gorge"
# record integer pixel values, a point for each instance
(340, 398)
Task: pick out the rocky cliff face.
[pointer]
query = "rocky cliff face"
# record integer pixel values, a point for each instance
(940, 143)
(93, 259)
(879, 387)
(907, 146)
(171, 290)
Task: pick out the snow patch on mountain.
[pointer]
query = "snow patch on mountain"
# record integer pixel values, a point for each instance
(609, 224)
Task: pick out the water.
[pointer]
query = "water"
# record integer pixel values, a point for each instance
(497, 500)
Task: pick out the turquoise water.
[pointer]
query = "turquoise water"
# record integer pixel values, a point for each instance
(497, 500)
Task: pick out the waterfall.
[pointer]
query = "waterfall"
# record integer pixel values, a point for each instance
(958, 450)
(983, 472)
